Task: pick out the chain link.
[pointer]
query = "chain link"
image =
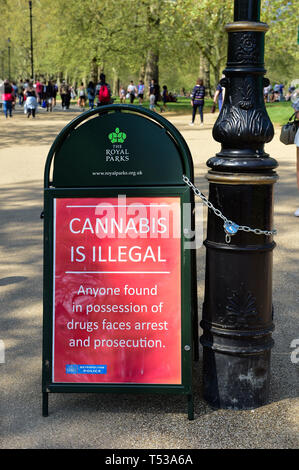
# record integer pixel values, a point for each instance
(226, 221)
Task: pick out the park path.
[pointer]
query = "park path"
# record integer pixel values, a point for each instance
(120, 421)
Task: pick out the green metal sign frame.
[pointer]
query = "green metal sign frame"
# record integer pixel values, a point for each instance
(189, 331)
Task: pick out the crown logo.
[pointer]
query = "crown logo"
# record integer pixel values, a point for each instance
(117, 136)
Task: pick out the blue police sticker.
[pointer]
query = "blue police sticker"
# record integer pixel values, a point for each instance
(231, 228)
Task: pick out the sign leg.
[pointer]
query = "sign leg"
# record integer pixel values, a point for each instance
(195, 338)
(45, 405)
(195, 307)
(190, 408)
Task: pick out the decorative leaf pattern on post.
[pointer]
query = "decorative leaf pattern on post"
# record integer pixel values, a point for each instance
(247, 94)
(236, 125)
(241, 309)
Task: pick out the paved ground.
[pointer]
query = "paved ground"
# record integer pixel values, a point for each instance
(120, 421)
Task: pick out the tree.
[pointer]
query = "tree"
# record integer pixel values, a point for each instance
(281, 48)
(200, 26)
(173, 39)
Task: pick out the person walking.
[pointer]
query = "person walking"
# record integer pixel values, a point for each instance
(21, 93)
(55, 91)
(68, 98)
(15, 93)
(219, 95)
(276, 90)
(81, 97)
(140, 91)
(49, 96)
(65, 95)
(44, 94)
(73, 92)
(154, 89)
(26, 84)
(132, 90)
(39, 92)
(8, 99)
(281, 87)
(197, 100)
(152, 100)
(103, 91)
(122, 95)
(91, 94)
(31, 101)
(165, 97)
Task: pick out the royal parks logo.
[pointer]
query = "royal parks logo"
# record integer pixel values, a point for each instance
(117, 153)
(117, 136)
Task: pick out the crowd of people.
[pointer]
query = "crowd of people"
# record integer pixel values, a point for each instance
(32, 95)
(275, 93)
(29, 95)
(43, 94)
(133, 92)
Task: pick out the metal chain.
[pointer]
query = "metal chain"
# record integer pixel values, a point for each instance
(230, 227)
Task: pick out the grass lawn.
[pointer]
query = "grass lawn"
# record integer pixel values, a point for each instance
(182, 106)
(279, 113)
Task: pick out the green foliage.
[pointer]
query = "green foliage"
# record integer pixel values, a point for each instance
(77, 39)
(281, 48)
(201, 30)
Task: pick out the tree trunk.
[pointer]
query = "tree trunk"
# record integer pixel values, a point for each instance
(152, 57)
(115, 86)
(204, 72)
(207, 80)
(94, 70)
(100, 69)
(201, 66)
(60, 78)
(216, 72)
(151, 68)
(142, 72)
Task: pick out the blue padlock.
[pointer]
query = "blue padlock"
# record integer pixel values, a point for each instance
(231, 228)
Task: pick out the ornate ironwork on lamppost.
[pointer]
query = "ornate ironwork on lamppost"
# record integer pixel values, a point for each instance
(237, 311)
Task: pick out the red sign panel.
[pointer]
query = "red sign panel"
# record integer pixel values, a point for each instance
(117, 290)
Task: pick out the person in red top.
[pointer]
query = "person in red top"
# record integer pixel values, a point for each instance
(7, 98)
(39, 91)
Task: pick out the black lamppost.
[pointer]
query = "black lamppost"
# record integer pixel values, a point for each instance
(8, 41)
(31, 40)
(237, 311)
